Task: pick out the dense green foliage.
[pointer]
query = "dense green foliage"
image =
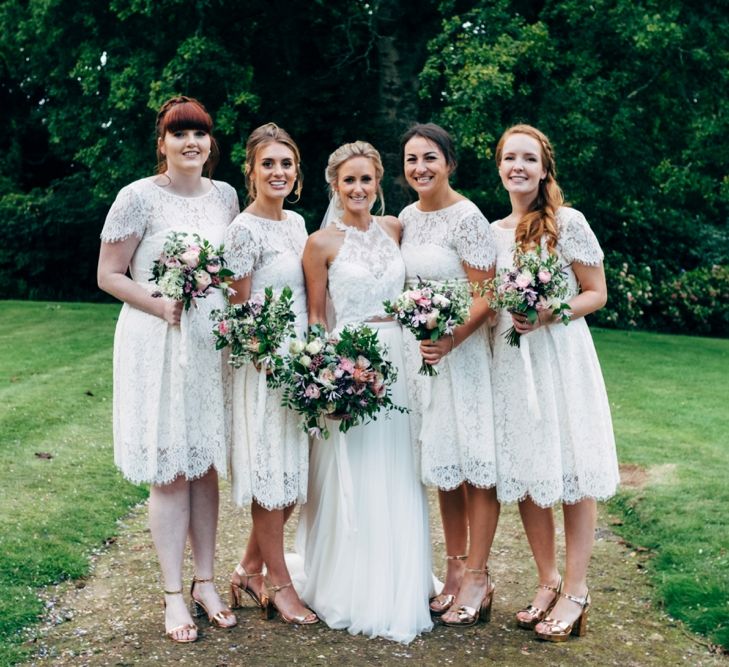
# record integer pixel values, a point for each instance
(630, 91)
(60, 495)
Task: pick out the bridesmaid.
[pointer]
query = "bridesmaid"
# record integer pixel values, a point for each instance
(169, 417)
(446, 237)
(269, 460)
(568, 454)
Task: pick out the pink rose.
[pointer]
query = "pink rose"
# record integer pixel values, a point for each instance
(544, 276)
(213, 265)
(362, 362)
(312, 391)
(223, 327)
(191, 256)
(523, 280)
(172, 262)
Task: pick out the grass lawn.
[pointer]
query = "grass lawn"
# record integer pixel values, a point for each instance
(671, 417)
(55, 399)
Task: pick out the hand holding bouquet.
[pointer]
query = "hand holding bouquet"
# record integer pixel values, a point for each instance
(188, 267)
(537, 283)
(343, 378)
(431, 310)
(255, 330)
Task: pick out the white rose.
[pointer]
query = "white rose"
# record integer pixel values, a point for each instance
(305, 361)
(314, 347)
(431, 319)
(296, 347)
(441, 301)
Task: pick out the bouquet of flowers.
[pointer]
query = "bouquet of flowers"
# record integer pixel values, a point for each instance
(431, 310)
(343, 378)
(188, 267)
(536, 283)
(255, 330)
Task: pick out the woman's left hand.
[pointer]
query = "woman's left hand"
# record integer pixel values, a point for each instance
(433, 351)
(522, 325)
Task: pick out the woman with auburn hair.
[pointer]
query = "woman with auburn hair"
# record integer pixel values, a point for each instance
(554, 435)
(169, 407)
(364, 529)
(270, 451)
(447, 238)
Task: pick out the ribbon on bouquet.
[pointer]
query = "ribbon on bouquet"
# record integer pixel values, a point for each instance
(261, 400)
(184, 326)
(346, 487)
(531, 390)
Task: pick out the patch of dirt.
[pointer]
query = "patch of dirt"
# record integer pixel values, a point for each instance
(115, 617)
(633, 476)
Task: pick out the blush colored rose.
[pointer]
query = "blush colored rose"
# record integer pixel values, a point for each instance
(431, 319)
(191, 256)
(202, 280)
(223, 327)
(312, 391)
(524, 279)
(347, 365)
(362, 362)
(544, 276)
(213, 266)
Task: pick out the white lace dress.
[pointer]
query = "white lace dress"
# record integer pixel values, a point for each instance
(270, 451)
(554, 434)
(452, 416)
(364, 531)
(169, 401)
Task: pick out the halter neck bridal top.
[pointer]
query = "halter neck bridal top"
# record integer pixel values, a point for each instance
(367, 270)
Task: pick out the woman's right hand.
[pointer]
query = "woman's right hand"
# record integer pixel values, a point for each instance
(171, 311)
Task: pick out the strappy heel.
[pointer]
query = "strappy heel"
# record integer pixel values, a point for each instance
(237, 590)
(269, 607)
(468, 616)
(536, 614)
(225, 618)
(559, 631)
(444, 600)
(185, 627)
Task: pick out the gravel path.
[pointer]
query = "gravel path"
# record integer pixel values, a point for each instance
(114, 617)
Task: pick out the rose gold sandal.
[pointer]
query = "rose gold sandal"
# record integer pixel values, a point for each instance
(468, 616)
(225, 618)
(236, 590)
(559, 631)
(537, 615)
(174, 634)
(270, 608)
(444, 600)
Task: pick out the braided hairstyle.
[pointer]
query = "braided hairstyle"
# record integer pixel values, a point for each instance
(540, 221)
(349, 151)
(270, 133)
(185, 113)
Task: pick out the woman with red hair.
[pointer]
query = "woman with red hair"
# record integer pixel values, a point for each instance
(169, 405)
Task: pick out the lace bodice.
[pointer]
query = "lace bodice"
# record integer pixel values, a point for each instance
(367, 270)
(576, 243)
(435, 244)
(150, 212)
(270, 252)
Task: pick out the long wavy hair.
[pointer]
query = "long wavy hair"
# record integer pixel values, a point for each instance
(349, 151)
(270, 133)
(540, 221)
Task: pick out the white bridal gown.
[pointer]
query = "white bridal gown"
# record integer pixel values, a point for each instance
(363, 532)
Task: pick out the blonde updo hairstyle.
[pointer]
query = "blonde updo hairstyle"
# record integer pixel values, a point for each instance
(540, 220)
(347, 152)
(270, 133)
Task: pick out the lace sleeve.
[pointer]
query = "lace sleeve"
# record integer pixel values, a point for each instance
(241, 249)
(231, 199)
(126, 217)
(577, 242)
(474, 241)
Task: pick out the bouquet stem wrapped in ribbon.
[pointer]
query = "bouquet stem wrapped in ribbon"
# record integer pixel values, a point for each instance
(431, 310)
(188, 267)
(255, 330)
(536, 283)
(345, 378)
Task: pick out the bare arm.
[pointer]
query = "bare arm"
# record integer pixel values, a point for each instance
(433, 351)
(316, 273)
(592, 297)
(242, 289)
(111, 276)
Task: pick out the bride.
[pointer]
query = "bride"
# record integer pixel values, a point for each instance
(363, 532)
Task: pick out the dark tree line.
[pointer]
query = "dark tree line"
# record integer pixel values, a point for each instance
(632, 93)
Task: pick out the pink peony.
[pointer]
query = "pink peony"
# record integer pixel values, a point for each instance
(347, 365)
(544, 276)
(223, 327)
(524, 279)
(172, 262)
(191, 256)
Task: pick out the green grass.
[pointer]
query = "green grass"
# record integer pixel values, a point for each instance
(55, 398)
(666, 393)
(670, 411)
